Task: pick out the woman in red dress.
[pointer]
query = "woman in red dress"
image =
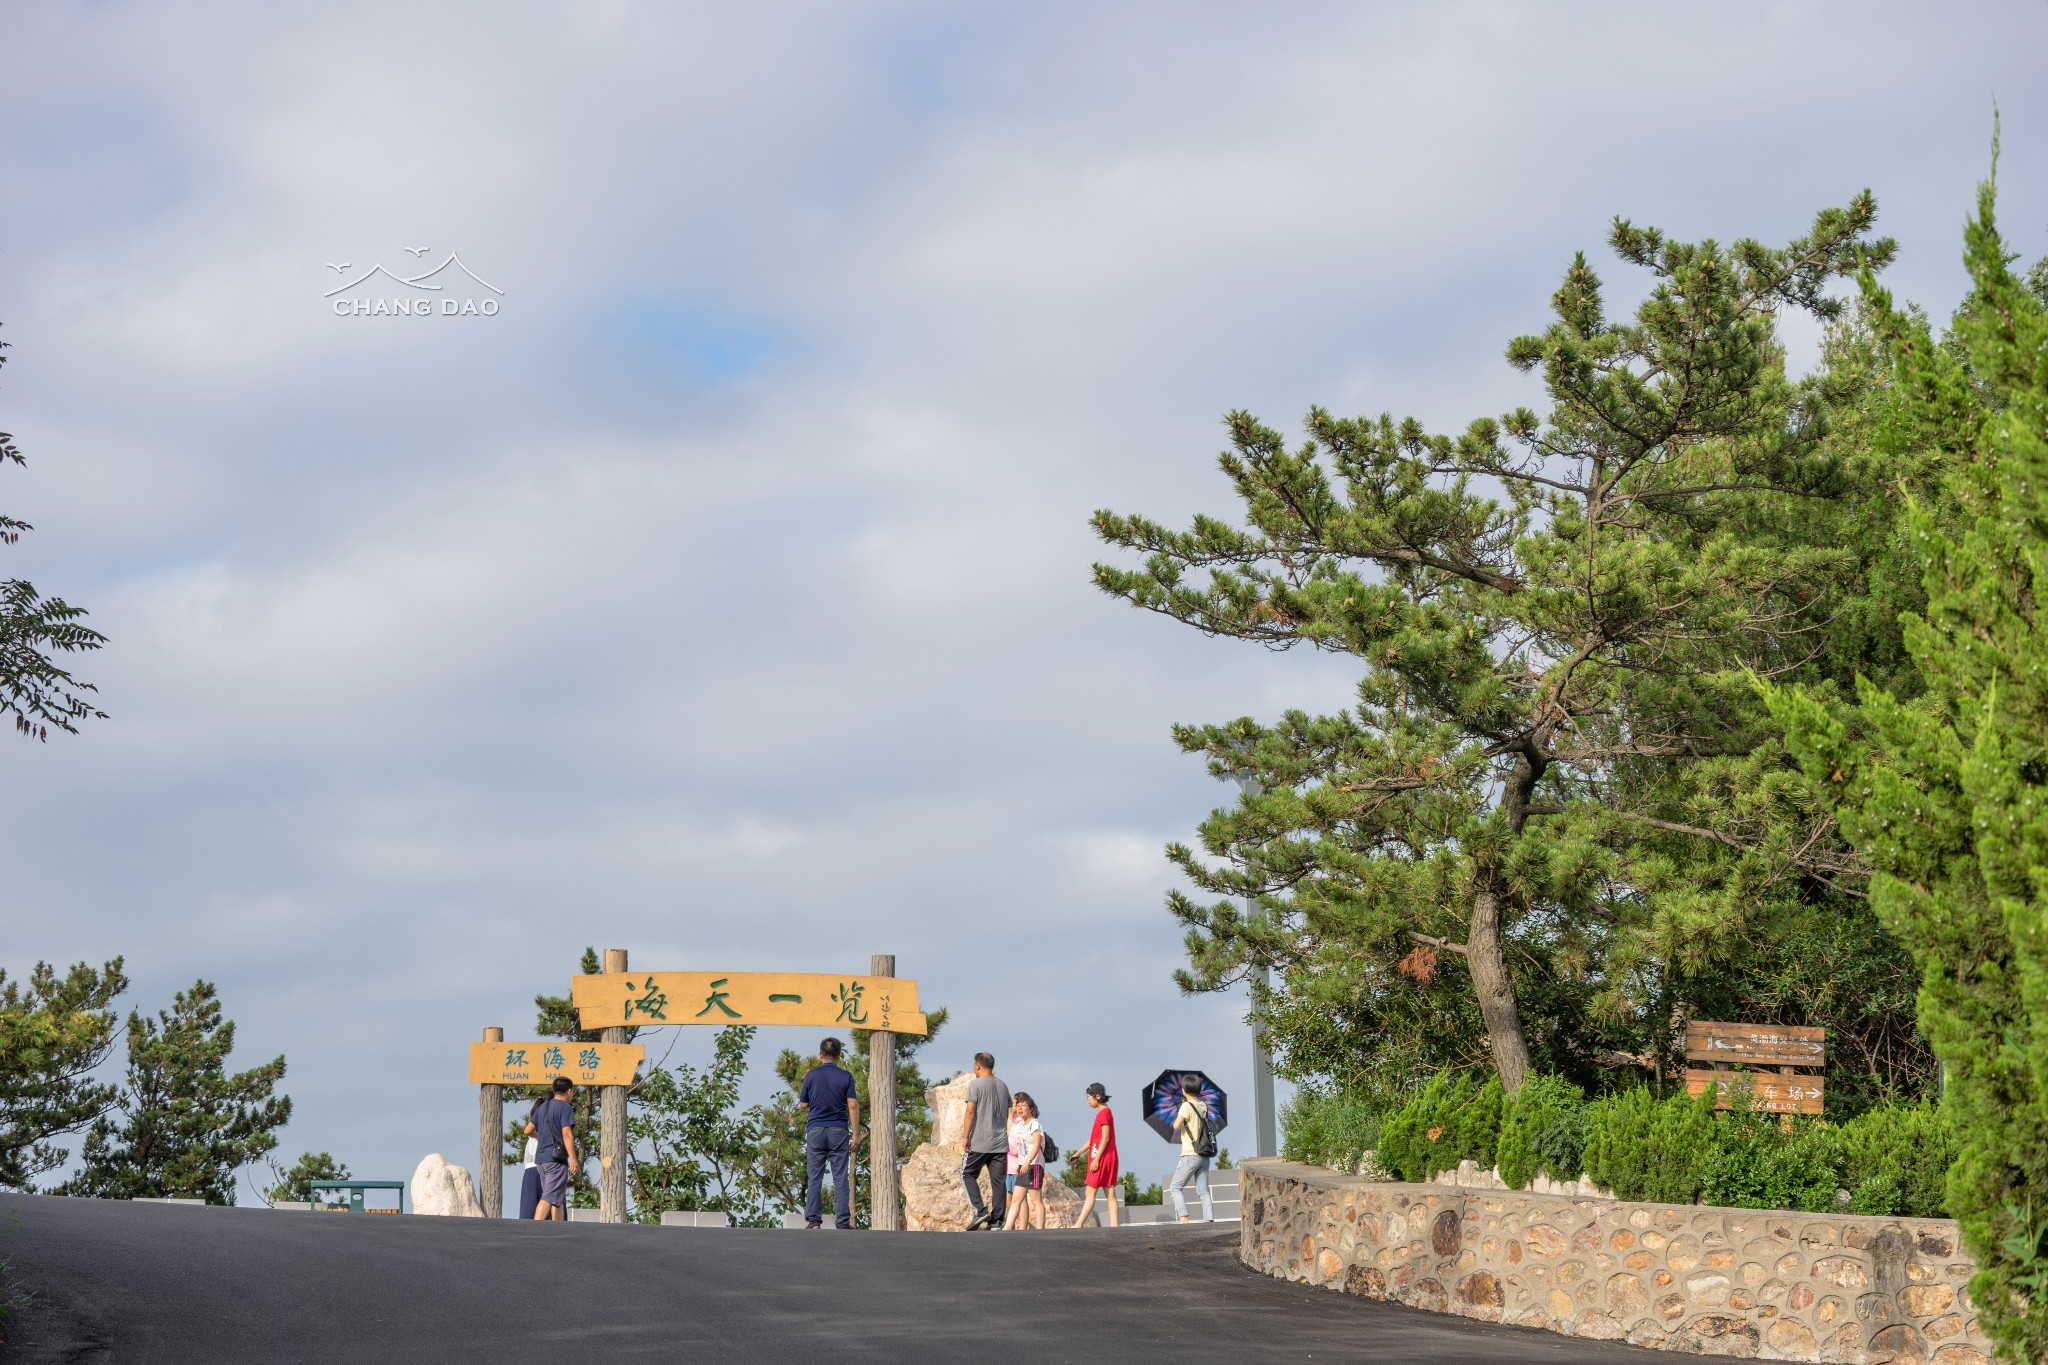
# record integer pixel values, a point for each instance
(1102, 1172)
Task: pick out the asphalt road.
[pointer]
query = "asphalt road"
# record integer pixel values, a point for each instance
(138, 1283)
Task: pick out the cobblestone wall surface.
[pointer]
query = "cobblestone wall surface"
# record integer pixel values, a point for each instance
(1728, 1282)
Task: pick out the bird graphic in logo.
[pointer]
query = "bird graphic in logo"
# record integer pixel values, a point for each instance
(419, 281)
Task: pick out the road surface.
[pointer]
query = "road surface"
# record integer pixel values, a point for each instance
(146, 1283)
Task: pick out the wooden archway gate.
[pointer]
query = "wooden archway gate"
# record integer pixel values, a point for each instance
(616, 999)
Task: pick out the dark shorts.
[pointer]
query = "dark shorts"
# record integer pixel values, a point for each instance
(1030, 1178)
(554, 1184)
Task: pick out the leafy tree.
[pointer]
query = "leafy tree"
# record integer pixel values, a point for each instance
(1946, 793)
(186, 1123)
(54, 1033)
(33, 688)
(295, 1186)
(1559, 793)
(779, 1167)
(694, 1148)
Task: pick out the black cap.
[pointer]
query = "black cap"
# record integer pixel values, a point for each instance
(1097, 1091)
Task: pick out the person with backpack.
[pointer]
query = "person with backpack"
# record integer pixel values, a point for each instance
(1026, 1178)
(550, 1125)
(1197, 1148)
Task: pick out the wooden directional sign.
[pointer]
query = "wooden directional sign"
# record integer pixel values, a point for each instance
(1755, 1044)
(539, 1063)
(1779, 1094)
(1786, 1047)
(642, 999)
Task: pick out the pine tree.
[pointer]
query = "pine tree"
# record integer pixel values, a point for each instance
(54, 1033)
(1558, 780)
(186, 1124)
(1946, 792)
(33, 688)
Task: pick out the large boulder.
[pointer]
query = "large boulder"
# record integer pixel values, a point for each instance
(933, 1199)
(440, 1189)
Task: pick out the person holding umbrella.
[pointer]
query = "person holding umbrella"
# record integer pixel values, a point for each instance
(1197, 1147)
(1102, 1165)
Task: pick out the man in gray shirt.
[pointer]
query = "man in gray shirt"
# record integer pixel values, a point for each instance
(985, 1128)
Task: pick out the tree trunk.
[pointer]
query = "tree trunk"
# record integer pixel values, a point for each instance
(490, 1144)
(1485, 955)
(885, 1191)
(611, 1125)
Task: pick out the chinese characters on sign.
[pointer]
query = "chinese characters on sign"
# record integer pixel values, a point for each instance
(539, 1063)
(652, 1005)
(805, 999)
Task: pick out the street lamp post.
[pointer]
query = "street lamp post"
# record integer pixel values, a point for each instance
(1266, 1121)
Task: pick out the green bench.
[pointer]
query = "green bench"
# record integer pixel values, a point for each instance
(355, 1189)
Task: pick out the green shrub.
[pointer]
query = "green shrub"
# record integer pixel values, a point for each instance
(1877, 1196)
(1658, 1151)
(1329, 1129)
(1449, 1120)
(1542, 1131)
(1757, 1164)
(1895, 1160)
(1561, 1144)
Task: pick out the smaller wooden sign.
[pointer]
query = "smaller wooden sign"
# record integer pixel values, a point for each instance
(1775, 1093)
(539, 1063)
(1755, 1044)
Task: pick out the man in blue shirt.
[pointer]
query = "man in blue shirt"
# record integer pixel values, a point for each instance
(551, 1125)
(834, 1120)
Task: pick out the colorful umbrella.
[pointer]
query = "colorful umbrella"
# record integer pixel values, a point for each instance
(1163, 1097)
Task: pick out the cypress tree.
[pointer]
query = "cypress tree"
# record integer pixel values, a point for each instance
(1946, 792)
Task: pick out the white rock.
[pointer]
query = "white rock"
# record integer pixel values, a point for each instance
(948, 1104)
(440, 1189)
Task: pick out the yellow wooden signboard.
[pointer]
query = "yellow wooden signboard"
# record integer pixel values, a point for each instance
(642, 999)
(539, 1063)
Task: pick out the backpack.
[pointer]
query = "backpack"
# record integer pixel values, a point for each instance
(1205, 1144)
(1048, 1150)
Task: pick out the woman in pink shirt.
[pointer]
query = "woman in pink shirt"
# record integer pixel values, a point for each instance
(1027, 1172)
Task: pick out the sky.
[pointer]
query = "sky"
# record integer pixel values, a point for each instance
(724, 596)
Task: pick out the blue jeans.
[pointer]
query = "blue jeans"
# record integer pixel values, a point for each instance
(1198, 1167)
(820, 1143)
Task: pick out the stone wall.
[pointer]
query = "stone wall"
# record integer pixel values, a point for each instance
(1730, 1282)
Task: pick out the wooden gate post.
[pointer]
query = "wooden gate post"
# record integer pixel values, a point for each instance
(490, 1141)
(611, 1179)
(884, 1202)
